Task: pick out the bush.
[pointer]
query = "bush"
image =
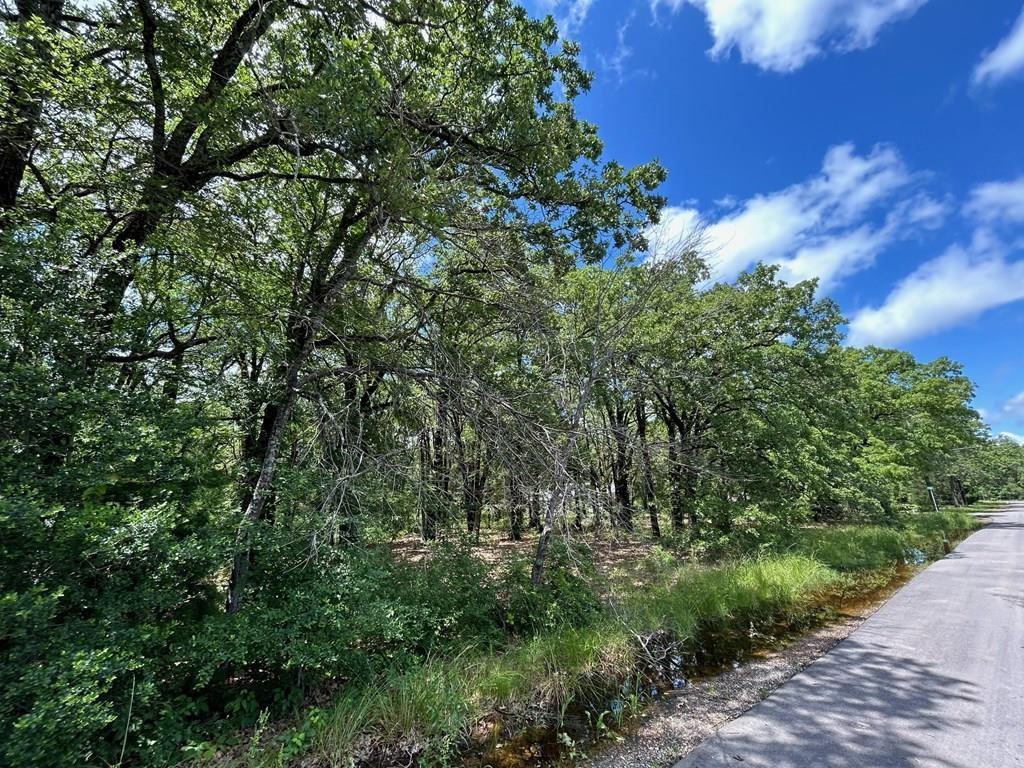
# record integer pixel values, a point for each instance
(87, 621)
(105, 608)
(565, 597)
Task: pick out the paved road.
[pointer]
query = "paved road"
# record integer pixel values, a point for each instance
(934, 678)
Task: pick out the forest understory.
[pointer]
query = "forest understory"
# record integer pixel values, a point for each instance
(568, 696)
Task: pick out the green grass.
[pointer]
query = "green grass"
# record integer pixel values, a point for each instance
(852, 548)
(352, 714)
(701, 604)
(706, 614)
(703, 608)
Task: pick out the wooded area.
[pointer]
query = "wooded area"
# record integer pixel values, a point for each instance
(286, 284)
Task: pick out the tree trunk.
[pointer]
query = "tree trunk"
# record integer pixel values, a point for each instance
(596, 496)
(646, 472)
(428, 520)
(619, 460)
(675, 472)
(535, 508)
(279, 412)
(688, 474)
(474, 484)
(956, 489)
(24, 105)
(561, 474)
(321, 299)
(515, 508)
(440, 496)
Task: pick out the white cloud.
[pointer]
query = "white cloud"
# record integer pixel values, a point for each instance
(997, 201)
(616, 62)
(570, 14)
(1014, 407)
(678, 223)
(954, 288)
(837, 257)
(960, 284)
(1005, 60)
(828, 226)
(783, 35)
(1018, 439)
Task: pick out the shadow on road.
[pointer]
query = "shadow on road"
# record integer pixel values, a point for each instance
(822, 718)
(931, 680)
(1003, 518)
(1005, 524)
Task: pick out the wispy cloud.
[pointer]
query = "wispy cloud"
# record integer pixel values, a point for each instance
(997, 202)
(945, 292)
(1005, 60)
(828, 226)
(1018, 439)
(783, 35)
(569, 14)
(961, 283)
(1014, 407)
(616, 62)
(837, 223)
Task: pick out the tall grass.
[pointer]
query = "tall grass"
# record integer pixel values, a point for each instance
(703, 612)
(354, 713)
(851, 548)
(703, 602)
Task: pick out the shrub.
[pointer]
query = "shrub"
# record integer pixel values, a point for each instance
(87, 621)
(565, 597)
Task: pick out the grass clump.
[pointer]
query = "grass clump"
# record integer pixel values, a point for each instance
(554, 669)
(714, 611)
(350, 717)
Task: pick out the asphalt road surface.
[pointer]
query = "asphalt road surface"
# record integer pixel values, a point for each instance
(934, 678)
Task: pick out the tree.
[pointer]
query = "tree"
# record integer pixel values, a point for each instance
(991, 468)
(734, 371)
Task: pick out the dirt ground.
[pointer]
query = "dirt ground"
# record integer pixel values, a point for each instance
(618, 556)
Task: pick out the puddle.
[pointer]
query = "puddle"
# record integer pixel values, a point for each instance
(533, 747)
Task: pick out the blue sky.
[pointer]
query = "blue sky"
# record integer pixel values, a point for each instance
(877, 145)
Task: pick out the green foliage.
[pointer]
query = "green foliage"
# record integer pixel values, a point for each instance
(989, 469)
(93, 599)
(565, 597)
